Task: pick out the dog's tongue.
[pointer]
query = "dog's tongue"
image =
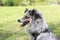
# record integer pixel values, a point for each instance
(24, 23)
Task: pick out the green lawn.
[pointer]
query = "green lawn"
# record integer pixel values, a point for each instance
(9, 27)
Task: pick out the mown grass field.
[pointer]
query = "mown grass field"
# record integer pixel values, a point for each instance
(10, 29)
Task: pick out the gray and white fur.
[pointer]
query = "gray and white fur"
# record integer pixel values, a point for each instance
(38, 28)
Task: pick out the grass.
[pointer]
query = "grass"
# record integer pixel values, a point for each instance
(9, 27)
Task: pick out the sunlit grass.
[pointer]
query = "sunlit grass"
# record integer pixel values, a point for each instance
(9, 27)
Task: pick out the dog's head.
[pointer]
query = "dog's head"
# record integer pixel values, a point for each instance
(29, 16)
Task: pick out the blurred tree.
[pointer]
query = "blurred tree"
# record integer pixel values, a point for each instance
(33, 2)
(27, 2)
(9, 3)
(58, 1)
(30, 2)
(1, 3)
(17, 2)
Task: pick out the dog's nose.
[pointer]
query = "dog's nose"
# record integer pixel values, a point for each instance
(18, 20)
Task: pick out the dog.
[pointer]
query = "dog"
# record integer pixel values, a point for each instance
(35, 26)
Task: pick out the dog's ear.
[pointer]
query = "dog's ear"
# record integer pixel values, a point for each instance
(34, 11)
(26, 10)
(36, 14)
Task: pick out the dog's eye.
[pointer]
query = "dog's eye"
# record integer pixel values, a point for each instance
(26, 17)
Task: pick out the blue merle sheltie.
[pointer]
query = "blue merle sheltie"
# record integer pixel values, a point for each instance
(35, 25)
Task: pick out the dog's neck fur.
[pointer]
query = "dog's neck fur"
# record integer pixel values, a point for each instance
(37, 25)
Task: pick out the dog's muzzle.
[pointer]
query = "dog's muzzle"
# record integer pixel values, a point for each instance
(23, 22)
(20, 20)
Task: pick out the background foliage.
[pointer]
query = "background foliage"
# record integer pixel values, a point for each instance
(27, 2)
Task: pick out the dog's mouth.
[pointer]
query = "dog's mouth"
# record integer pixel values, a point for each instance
(24, 23)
